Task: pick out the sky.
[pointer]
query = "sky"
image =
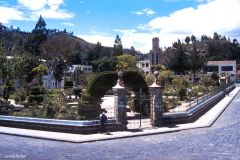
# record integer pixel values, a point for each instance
(135, 21)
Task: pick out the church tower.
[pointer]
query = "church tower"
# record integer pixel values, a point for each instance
(155, 53)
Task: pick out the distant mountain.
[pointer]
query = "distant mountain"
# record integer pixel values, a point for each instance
(58, 43)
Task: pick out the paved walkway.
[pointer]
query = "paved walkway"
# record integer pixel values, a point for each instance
(205, 121)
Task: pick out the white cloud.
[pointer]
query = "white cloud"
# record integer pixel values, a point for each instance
(68, 24)
(94, 37)
(53, 14)
(215, 16)
(46, 8)
(208, 17)
(31, 9)
(33, 5)
(146, 11)
(10, 13)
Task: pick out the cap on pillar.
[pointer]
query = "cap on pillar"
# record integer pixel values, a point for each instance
(120, 84)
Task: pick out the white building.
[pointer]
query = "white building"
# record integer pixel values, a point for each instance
(50, 82)
(227, 67)
(144, 65)
(83, 68)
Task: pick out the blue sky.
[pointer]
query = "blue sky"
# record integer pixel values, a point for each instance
(136, 21)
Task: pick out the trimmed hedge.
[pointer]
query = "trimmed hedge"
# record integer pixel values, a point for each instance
(88, 110)
(35, 98)
(101, 83)
(36, 94)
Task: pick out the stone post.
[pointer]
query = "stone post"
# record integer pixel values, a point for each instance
(120, 102)
(223, 82)
(156, 108)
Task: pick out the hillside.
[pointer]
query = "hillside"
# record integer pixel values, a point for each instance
(210, 49)
(57, 44)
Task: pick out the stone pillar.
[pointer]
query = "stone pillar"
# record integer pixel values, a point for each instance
(223, 82)
(156, 109)
(120, 102)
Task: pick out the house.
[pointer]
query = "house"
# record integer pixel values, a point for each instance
(144, 65)
(83, 68)
(50, 82)
(227, 67)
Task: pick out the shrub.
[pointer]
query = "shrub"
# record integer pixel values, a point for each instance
(68, 84)
(88, 110)
(20, 95)
(35, 98)
(35, 111)
(36, 94)
(170, 102)
(101, 83)
(182, 93)
(37, 90)
(5, 107)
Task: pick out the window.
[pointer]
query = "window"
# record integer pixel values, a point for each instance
(147, 64)
(227, 68)
(212, 68)
(143, 65)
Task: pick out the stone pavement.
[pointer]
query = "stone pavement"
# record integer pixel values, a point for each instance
(205, 121)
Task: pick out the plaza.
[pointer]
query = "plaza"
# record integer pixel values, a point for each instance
(217, 140)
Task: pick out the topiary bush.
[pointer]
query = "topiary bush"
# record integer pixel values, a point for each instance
(5, 107)
(35, 98)
(20, 95)
(182, 93)
(36, 94)
(101, 83)
(88, 109)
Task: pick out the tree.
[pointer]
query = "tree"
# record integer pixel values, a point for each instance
(104, 64)
(205, 38)
(95, 53)
(187, 39)
(216, 36)
(126, 62)
(193, 39)
(23, 66)
(117, 47)
(40, 70)
(165, 76)
(4, 73)
(132, 51)
(38, 36)
(3, 63)
(58, 69)
(179, 62)
(195, 61)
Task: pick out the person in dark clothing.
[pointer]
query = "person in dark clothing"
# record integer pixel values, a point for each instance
(103, 120)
